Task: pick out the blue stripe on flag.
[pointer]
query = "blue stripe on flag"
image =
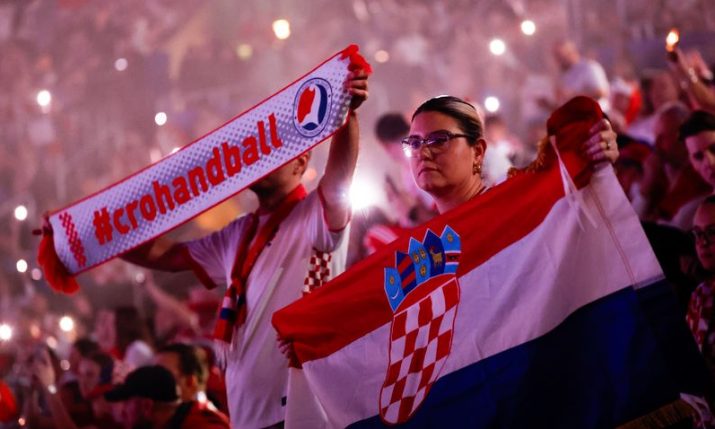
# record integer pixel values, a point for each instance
(600, 368)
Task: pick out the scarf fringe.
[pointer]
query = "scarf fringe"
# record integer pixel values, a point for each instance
(56, 274)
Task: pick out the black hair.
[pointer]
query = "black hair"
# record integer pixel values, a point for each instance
(697, 122)
(463, 112)
(391, 127)
(189, 361)
(85, 346)
(106, 366)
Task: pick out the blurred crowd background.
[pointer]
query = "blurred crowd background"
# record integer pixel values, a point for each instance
(93, 90)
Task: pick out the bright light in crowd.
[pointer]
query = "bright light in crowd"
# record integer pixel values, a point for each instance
(160, 118)
(66, 323)
(382, 56)
(244, 51)
(154, 155)
(21, 213)
(35, 331)
(121, 64)
(21, 265)
(5, 332)
(672, 39)
(44, 98)
(362, 194)
(65, 364)
(140, 278)
(36, 274)
(497, 47)
(281, 28)
(528, 27)
(491, 104)
(51, 342)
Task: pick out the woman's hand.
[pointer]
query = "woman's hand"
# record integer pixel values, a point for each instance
(286, 347)
(601, 147)
(42, 366)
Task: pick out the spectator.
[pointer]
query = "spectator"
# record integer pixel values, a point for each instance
(670, 188)
(94, 376)
(190, 375)
(150, 399)
(132, 338)
(698, 133)
(701, 314)
(579, 76)
(660, 92)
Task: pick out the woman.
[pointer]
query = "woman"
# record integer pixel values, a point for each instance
(94, 376)
(446, 150)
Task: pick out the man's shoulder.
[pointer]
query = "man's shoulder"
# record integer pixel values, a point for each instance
(200, 416)
(588, 64)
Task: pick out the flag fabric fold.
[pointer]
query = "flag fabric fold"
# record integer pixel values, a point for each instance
(508, 311)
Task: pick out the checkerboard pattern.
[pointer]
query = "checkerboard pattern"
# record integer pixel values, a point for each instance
(318, 271)
(420, 342)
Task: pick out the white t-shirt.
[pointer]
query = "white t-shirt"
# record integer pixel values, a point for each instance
(256, 371)
(583, 78)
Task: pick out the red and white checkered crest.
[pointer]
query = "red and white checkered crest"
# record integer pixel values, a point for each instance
(423, 324)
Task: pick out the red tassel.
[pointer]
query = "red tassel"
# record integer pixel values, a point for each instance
(356, 59)
(55, 272)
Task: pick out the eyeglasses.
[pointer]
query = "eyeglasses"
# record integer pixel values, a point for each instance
(706, 236)
(435, 142)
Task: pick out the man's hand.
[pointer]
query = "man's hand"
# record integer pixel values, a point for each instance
(356, 84)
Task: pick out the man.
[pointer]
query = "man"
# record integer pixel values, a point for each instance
(184, 364)
(670, 189)
(702, 302)
(150, 399)
(293, 243)
(579, 76)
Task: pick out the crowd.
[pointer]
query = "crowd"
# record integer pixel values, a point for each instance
(148, 361)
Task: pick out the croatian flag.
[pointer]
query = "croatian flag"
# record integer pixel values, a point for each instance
(518, 309)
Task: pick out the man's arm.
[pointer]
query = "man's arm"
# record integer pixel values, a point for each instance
(342, 157)
(161, 254)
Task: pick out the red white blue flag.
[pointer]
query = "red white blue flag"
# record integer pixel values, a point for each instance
(518, 309)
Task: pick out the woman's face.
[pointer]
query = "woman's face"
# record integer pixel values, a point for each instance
(88, 374)
(441, 171)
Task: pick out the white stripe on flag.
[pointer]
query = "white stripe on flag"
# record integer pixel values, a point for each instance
(519, 294)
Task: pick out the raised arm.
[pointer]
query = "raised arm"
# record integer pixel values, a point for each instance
(160, 254)
(342, 157)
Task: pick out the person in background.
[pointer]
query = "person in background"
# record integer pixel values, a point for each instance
(659, 93)
(701, 314)
(132, 346)
(698, 133)
(150, 400)
(579, 76)
(69, 386)
(94, 378)
(695, 78)
(189, 370)
(671, 189)
(407, 204)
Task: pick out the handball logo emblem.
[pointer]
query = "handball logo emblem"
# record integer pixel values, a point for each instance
(311, 108)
